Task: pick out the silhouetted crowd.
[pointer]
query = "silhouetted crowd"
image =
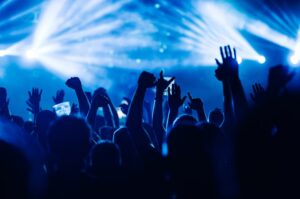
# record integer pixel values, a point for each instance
(244, 151)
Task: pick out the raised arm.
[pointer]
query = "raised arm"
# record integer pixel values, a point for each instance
(175, 101)
(158, 127)
(75, 84)
(135, 112)
(197, 105)
(33, 102)
(222, 75)
(231, 65)
(97, 102)
(109, 110)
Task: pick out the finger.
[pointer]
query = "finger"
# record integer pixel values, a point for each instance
(161, 75)
(222, 53)
(30, 110)
(190, 96)
(173, 89)
(29, 104)
(218, 63)
(170, 81)
(183, 100)
(229, 51)
(169, 91)
(234, 53)
(226, 51)
(41, 91)
(178, 90)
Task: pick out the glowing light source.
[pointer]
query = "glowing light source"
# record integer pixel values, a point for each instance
(261, 59)
(239, 59)
(2, 53)
(294, 59)
(31, 54)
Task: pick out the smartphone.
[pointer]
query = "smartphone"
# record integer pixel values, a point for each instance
(63, 108)
(170, 86)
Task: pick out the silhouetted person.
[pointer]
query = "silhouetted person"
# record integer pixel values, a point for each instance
(69, 142)
(190, 163)
(216, 117)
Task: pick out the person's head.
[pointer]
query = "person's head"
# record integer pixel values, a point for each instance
(43, 120)
(106, 133)
(99, 122)
(28, 127)
(21, 163)
(14, 172)
(69, 139)
(189, 162)
(185, 119)
(216, 117)
(105, 156)
(123, 140)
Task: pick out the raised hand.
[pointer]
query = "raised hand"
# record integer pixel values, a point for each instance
(99, 101)
(279, 76)
(195, 103)
(59, 97)
(162, 84)
(147, 80)
(174, 98)
(101, 91)
(110, 112)
(259, 93)
(33, 101)
(84, 104)
(229, 66)
(74, 83)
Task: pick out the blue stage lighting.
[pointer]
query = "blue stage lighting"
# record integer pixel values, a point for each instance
(31, 54)
(2, 53)
(239, 59)
(294, 60)
(261, 59)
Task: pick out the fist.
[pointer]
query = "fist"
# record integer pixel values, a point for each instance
(74, 83)
(100, 100)
(147, 80)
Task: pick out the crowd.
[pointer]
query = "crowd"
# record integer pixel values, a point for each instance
(244, 151)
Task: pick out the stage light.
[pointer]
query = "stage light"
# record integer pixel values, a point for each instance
(261, 59)
(294, 60)
(2, 53)
(239, 59)
(31, 54)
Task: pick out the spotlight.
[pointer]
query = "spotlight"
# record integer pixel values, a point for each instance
(239, 59)
(31, 54)
(294, 59)
(3, 53)
(261, 59)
